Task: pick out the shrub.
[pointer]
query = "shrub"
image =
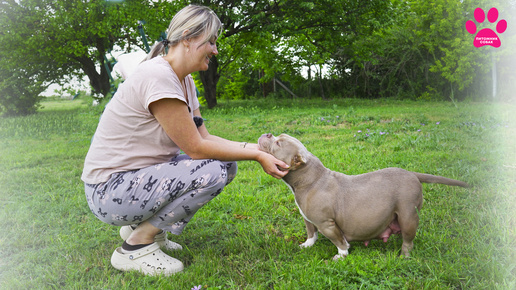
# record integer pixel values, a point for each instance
(19, 95)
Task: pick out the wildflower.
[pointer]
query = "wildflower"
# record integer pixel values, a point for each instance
(419, 130)
(382, 133)
(359, 131)
(197, 287)
(438, 123)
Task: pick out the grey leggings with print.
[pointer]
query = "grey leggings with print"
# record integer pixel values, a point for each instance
(167, 195)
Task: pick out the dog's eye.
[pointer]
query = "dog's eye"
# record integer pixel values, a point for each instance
(277, 143)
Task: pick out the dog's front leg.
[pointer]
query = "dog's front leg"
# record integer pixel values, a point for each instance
(332, 231)
(311, 232)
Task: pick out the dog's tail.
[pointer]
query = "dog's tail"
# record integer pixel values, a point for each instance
(429, 178)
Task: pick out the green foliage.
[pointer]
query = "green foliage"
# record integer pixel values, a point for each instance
(456, 60)
(234, 88)
(423, 51)
(271, 40)
(19, 95)
(49, 41)
(416, 49)
(367, 49)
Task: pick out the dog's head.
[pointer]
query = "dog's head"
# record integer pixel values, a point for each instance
(286, 148)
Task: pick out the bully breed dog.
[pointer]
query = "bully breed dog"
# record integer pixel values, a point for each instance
(351, 207)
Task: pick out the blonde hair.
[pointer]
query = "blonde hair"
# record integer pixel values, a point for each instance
(195, 21)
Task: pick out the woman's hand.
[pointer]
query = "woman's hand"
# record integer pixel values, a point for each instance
(272, 166)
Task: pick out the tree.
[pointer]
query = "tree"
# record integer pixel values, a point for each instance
(239, 19)
(47, 41)
(327, 24)
(19, 94)
(374, 48)
(456, 61)
(421, 51)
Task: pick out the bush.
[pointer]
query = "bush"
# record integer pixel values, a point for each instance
(19, 95)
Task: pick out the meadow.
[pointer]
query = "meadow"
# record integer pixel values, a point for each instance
(249, 236)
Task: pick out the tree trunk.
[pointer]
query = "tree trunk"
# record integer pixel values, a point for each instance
(209, 80)
(267, 87)
(320, 82)
(309, 81)
(99, 82)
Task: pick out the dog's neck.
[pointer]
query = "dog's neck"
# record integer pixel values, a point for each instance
(311, 172)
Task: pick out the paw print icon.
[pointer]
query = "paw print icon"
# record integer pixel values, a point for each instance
(486, 36)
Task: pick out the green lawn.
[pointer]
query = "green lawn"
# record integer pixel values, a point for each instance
(248, 237)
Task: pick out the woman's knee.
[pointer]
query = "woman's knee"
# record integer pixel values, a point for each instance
(231, 171)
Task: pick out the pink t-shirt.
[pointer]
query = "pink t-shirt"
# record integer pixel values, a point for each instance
(128, 136)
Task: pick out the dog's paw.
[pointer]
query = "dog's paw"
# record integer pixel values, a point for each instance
(341, 255)
(309, 242)
(306, 244)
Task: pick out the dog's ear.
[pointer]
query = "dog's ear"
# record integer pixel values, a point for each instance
(297, 160)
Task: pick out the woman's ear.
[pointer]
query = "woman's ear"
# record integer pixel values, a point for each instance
(186, 42)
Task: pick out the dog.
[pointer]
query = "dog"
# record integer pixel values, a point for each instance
(347, 208)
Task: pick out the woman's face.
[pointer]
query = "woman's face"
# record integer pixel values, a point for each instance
(202, 52)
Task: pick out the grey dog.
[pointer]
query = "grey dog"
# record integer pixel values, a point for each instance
(351, 207)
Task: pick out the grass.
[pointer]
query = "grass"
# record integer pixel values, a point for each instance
(248, 237)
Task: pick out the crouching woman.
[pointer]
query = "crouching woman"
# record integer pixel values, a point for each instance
(134, 173)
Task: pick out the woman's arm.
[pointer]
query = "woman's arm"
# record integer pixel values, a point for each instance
(173, 116)
(205, 134)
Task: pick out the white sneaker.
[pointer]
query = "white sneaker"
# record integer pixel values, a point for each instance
(160, 238)
(149, 260)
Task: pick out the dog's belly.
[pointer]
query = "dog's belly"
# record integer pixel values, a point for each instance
(380, 232)
(361, 223)
(365, 232)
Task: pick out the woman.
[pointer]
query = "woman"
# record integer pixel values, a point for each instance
(134, 175)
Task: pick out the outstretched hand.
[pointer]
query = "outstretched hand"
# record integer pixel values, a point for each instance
(273, 166)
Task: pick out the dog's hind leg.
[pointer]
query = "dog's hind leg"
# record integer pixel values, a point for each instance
(408, 225)
(330, 229)
(311, 232)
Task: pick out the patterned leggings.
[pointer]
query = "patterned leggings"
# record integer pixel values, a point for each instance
(167, 195)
